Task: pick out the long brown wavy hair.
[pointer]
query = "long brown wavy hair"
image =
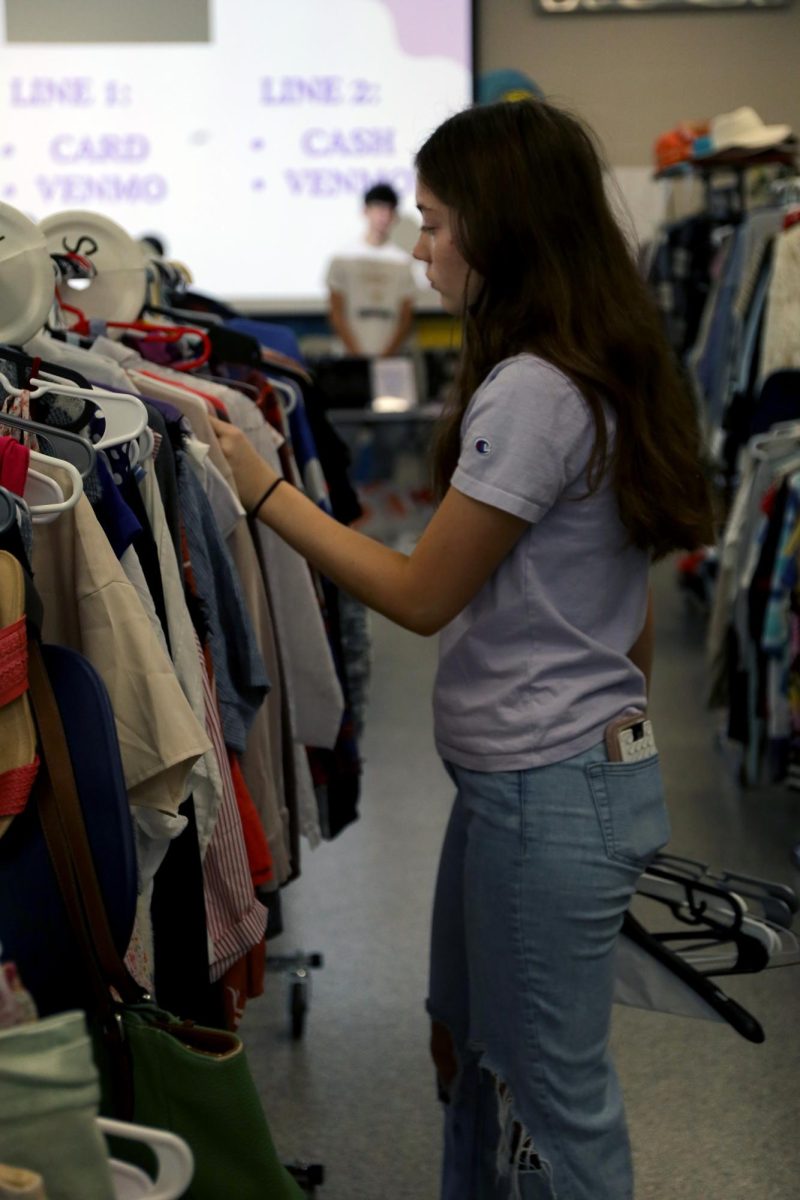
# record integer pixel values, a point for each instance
(530, 214)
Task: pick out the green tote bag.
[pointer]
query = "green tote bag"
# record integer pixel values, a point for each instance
(156, 1070)
(195, 1082)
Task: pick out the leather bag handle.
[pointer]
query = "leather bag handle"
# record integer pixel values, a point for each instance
(64, 829)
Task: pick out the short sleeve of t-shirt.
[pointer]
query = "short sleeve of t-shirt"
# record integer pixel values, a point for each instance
(335, 278)
(526, 437)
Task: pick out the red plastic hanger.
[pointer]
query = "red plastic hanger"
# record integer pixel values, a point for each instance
(81, 325)
(156, 333)
(168, 334)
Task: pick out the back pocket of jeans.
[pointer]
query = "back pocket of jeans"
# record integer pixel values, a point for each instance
(629, 798)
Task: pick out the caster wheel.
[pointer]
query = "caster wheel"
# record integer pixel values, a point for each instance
(298, 1006)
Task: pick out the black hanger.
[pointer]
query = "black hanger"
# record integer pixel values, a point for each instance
(11, 542)
(707, 924)
(239, 349)
(184, 316)
(736, 1016)
(170, 276)
(82, 341)
(76, 450)
(24, 361)
(8, 511)
(777, 901)
(197, 301)
(227, 346)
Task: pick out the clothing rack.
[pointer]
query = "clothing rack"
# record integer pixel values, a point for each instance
(724, 177)
(713, 276)
(738, 165)
(727, 311)
(233, 712)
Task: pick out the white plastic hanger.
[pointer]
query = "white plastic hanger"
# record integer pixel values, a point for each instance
(174, 1158)
(785, 427)
(146, 444)
(43, 495)
(124, 414)
(288, 394)
(774, 438)
(76, 450)
(19, 391)
(783, 949)
(731, 911)
(41, 489)
(9, 388)
(56, 503)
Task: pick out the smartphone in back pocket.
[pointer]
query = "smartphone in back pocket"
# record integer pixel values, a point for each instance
(630, 739)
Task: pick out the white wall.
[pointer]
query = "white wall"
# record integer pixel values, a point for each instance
(634, 75)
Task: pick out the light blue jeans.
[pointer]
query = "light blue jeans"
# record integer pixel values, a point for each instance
(537, 870)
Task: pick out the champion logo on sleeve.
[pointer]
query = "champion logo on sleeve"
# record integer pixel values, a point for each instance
(483, 445)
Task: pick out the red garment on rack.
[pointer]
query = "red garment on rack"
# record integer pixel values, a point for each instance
(242, 982)
(14, 461)
(259, 855)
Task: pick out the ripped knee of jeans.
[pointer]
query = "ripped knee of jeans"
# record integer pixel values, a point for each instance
(443, 1053)
(517, 1155)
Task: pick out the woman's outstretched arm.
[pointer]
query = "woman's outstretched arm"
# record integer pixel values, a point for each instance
(462, 546)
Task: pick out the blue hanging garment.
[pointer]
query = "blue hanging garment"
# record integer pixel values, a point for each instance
(35, 931)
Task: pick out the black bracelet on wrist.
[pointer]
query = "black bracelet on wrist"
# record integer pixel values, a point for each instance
(255, 509)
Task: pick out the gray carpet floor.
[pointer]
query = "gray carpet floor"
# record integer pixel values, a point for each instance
(712, 1117)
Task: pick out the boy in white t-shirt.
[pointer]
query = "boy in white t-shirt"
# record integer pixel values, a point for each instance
(371, 284)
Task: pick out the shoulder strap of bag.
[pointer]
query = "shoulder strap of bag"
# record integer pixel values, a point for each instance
(64, 829)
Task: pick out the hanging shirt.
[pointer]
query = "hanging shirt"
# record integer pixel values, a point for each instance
(14, 462)
(205, 780)
(782, 322)
(91, 606)
(274, 337)
(535, 667)
(241, 676)
(261, 763)
(375, 282)
(315, 695)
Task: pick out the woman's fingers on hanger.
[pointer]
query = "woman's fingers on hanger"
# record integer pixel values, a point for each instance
(227, 435)
(251, 473)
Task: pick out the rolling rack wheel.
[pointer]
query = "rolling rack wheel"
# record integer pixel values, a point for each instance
(298, 1006)
(297, 967)
(309, 1176)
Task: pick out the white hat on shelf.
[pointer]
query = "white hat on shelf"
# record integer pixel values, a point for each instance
(743, 129)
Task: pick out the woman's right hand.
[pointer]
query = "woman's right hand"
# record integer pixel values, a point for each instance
(251, 473)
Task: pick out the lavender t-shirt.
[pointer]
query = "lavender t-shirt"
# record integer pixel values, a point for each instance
(535, 667)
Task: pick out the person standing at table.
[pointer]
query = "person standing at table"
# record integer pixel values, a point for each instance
(371, 284)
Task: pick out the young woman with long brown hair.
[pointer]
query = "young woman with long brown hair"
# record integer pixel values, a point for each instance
(567, 461)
